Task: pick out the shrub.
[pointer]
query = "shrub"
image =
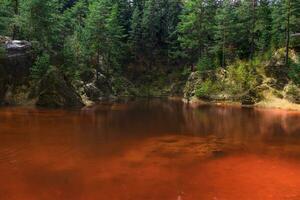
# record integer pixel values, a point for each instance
(40, 67)
(294, 72)
(205, 63)
(292, 93)
(206, 89)
(241, 77)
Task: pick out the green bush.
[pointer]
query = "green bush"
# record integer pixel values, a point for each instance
(40, 67)
(294, 73)
(241, 77)
(205, 63)
(206, 89)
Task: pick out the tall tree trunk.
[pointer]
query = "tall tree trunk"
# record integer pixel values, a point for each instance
(287, 34)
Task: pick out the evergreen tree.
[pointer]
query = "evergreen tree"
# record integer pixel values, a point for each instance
(104, 35)
(196, 28)
(41, 22)
(159, 22)
(151, 29)
(285, 20)
(116, 33)
(224, 32)
(244, 28)
(136, 32)
(292, 10)
(9, 11)
(263, 26)
(278, 24)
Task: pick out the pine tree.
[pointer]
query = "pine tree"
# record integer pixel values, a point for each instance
(9, 11)
(196, 29)
(104, 35)
(159, 22)
(278, 24)
(224, 32)
(151, 29)
(263, 26)
(285, 20)
(292, 10)
(94, 30)
(115, 33)
(136, 32)
(41, 22)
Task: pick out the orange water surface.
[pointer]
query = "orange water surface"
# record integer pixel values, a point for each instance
(149, 150)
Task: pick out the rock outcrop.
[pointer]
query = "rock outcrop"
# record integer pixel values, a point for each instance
(95, 86)
(16, 58)
(56, 91)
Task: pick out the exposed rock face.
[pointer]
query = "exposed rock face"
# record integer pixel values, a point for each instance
(55, 91)
(95, 86)
(92, 92)
(3, 85)
(16, 58)
(194, 80)
(197, 78)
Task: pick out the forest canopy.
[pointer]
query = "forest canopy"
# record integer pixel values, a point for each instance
(109, 34)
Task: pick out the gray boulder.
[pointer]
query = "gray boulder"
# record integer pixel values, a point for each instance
(16, 58)
(55, 91)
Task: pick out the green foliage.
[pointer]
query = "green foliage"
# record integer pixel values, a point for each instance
(41, 21)
(104, 35)
(292, 92)
(263, 26)
(159, 21)
(241, 77)
(196, 28)
(205, 63)
(206, 89)
(6, 17)
(108, 34)
(136, 32)
(40, 67)
(294, 72)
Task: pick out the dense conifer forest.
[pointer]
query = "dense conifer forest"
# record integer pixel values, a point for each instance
(138, 38)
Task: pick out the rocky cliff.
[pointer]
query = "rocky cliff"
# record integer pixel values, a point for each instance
(16, 58)
(16, 87)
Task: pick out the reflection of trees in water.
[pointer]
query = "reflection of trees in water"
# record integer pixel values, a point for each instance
(250, 128)
(136, 118)
(280, 123)
(241, 124)
(111, 127)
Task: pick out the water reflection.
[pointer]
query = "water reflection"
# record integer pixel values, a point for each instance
(149, 149)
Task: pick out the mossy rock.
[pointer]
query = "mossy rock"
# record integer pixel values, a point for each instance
(92, 92)
(56, 91)
(251, 97)
(247, 100)
(195, 79)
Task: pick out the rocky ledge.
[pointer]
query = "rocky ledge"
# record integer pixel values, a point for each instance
(16, 58)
